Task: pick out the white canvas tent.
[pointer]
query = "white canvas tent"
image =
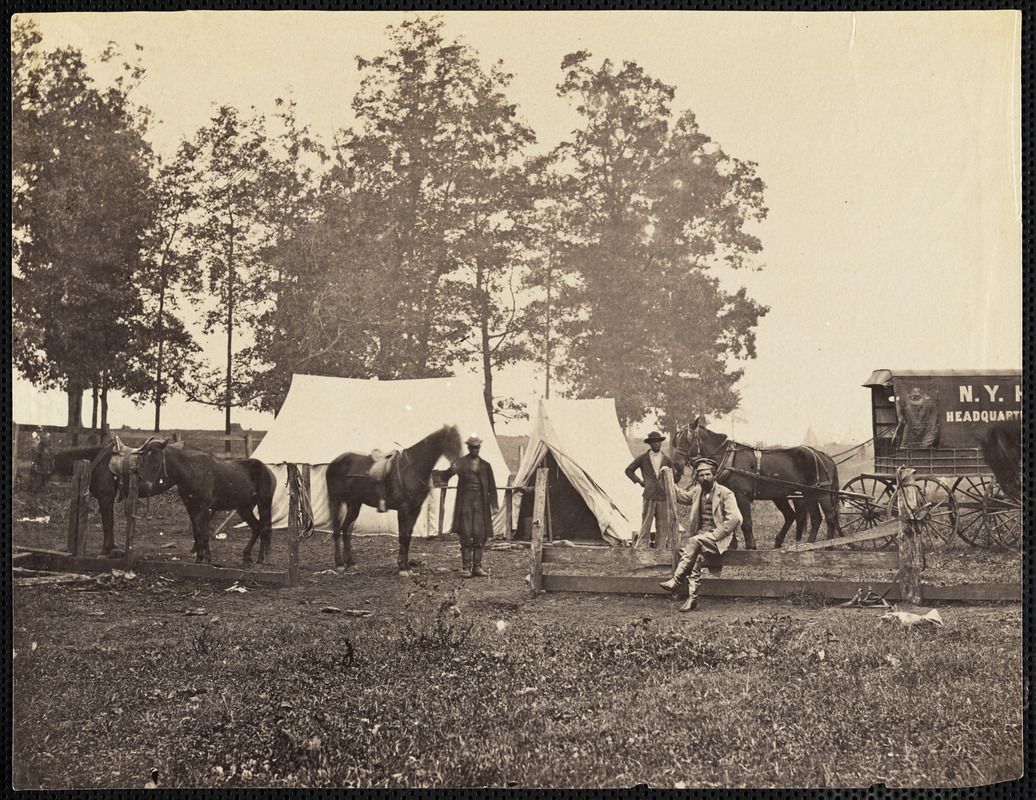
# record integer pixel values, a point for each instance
(585, 440)
(321, 418)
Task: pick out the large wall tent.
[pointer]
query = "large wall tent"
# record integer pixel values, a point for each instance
(582, 445)
(321, 418)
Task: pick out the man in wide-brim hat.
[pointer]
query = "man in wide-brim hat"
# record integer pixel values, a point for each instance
(655, 509)
(476, 503)
(713, 521)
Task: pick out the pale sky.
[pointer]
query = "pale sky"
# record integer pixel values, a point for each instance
(890, 144)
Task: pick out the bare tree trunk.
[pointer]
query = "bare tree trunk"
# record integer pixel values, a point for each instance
(74, 393)
(230, 328)
(105, 378)
(93, 412)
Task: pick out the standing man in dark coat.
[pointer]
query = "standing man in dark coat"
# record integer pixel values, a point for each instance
(655, 509)
(475, 506)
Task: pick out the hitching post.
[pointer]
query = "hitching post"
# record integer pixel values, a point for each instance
(77, 511)
(509, 513)
(672, 533)
(539, 506)
(132, 493)
(910, 556)
(293, 531)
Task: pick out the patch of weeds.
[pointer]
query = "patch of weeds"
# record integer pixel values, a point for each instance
(209, 642)
(433, 620)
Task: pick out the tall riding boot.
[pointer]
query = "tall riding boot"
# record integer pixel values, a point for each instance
(679, 579)
(465, 557)
(476, 563)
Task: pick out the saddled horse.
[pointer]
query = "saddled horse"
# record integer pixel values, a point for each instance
(753, 474)
(406, 486)
(206, 484)
(1002, 451)
(110, 465)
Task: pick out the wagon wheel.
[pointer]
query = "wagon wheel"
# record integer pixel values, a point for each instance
(1002, 516)
(939, 524)
(969, 491)
(858, 514)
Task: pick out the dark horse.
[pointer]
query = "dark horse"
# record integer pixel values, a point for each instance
(753, 474)
(1002, 451)
(208, 484)
(406, 487)
(105, 485)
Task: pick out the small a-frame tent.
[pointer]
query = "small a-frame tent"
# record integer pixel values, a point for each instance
(810, 439)
(322, 417)
(580, 441)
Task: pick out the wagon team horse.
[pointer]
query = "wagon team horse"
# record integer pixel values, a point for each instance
(755, 474)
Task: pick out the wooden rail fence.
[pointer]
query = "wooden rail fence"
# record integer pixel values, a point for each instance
(563, 567)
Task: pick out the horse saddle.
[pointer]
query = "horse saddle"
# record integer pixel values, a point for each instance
(125, 460)
(382, 464)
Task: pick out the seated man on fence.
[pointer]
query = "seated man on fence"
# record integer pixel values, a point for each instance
(713, 520)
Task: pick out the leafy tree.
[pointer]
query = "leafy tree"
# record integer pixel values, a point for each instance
(655, 209)
(79, 211)
(231, 232)
(170, 268)
(409, 269)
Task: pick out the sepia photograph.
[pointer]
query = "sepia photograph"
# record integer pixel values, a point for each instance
(516, 399)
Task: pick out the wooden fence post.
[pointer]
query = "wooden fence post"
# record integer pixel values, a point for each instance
(132, 493)
(442, 507)
(509, 513)
(538, 510)
(672, 534)
(78, 508)
(248, 445)
(293, 532)
(910, 556)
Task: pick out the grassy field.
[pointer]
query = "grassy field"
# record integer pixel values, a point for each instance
(447, 683)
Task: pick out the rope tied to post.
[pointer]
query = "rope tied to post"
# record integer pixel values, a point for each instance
(304, 512)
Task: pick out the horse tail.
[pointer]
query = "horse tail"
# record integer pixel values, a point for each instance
(265, 485)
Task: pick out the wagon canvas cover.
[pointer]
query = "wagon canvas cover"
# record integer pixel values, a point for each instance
(322, 417)
(586, 441)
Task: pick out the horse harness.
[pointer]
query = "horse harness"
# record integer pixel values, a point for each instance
(726, 465)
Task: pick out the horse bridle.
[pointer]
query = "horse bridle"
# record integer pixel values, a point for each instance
(727, 449)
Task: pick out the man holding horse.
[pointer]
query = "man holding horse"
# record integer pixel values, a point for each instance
(656, 510)
(713, 521)
(475, 506)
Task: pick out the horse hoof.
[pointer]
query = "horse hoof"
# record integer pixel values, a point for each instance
(413, 563)
(341, 569)
(404, 573)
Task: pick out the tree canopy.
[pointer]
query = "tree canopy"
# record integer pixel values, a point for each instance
(424, 240)
(79, 212)
(653, 210)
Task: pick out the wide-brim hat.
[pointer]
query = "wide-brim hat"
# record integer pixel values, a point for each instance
(654, 436)
(705, 462)
(474, 441)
